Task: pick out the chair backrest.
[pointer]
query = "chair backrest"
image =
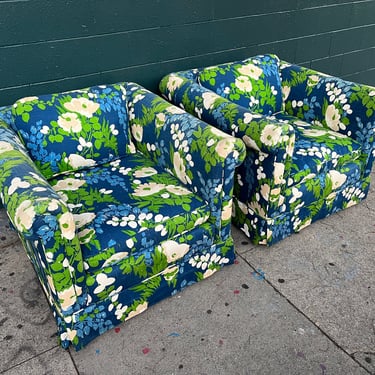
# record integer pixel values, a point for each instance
(74, 130)
(252, 83)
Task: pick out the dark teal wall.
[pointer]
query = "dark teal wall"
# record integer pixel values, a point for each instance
(48, 46)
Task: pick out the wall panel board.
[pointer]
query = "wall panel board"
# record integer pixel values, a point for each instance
(48, 46)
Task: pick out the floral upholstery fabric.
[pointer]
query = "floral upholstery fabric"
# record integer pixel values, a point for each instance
(67, 131)
(111, 238)
(303, 163)
(318, 150)
(126, 205)
(253, 83)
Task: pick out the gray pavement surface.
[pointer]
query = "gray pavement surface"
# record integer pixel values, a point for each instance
(303, 306)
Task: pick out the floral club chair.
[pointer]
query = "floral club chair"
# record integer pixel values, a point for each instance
(309, 136)
(120, 199)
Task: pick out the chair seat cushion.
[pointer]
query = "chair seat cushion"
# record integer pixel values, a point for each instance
(253, 83)
(318, 150)
(142, 271)
(73, 130)
(126, 206)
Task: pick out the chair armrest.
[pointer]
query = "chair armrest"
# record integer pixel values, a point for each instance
(260, 133)
(43, 222)
(343, 106)
(199, 155)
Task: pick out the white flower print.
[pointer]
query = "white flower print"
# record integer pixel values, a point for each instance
(70, 122)
(28, 99)
(296, 194)
(137, 131)
(170, 273)
(51, 284)
(77, 161)
(120, 311)
(140, 308)
(285, 92)
(209, 273)
(271, 135)
(85, 236)
(278, 173)
(204, 262)
(17, 183)
(174, 83)
(143, 190)
(138, 98)
(68, 184)
(265, 191)
(160, 120)
(5, 146)
(209, 99)
(347, 109)
(68, 297)
(103, 281)
(251, 70)
(180, 168)
(224, 147)
(45, 129)
(83, 219)
(260, 173)
(337, 178)
(332, 117)
(83, 106)
(249, 142)
(178, 190)
(175, 110)
(173, 250)
(24, 215)
(83, 143)
(243, 83)
(53, 205)
(255, 207)
(145, 172)
(67, 225)
(115, 258)
(115, 294)
(227, 212)
(113, 129)
(69, 335)
(312, 80)
(243, 207)
(305, 224)
(247, 118)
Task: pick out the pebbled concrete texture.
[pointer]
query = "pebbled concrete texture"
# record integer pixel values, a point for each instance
(327, 272)
(27, 326)
(303, 306)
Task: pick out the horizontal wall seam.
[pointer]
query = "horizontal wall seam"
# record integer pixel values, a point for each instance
(103, 35)
(337, 4)
(121, 69)
(344, 54)
(158, 28)
(358, 72)
(4, 90)
(15, 1)
(170, 61)
(297, 10)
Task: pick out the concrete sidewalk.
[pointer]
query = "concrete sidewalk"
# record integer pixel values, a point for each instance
(304, 306)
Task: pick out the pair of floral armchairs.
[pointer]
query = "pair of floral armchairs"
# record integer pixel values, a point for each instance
(120, 199)
(309, 137)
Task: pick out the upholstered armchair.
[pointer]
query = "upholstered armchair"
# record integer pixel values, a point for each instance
(309, 137)
(120, 199)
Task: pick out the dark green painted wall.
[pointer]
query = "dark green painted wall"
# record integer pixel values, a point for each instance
(48, 46)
